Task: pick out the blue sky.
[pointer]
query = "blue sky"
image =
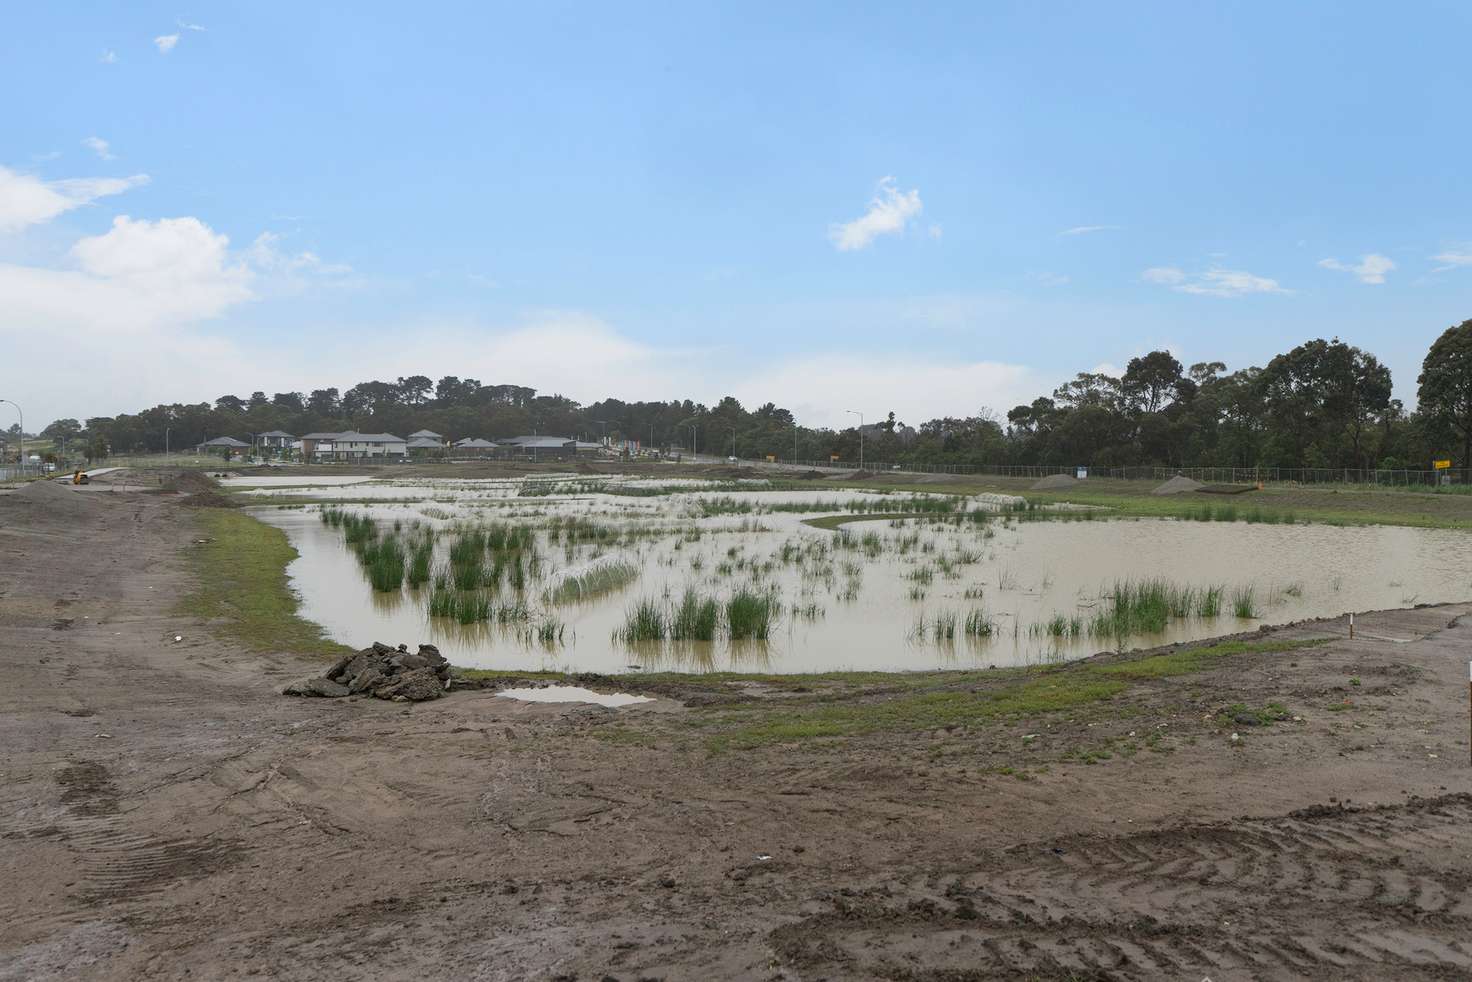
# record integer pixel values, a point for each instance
(928, 210)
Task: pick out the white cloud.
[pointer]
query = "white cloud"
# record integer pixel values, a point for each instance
(935, 231)
(190, 27)
(134, 306)
(1051, 279)
(1454, 258)
(99, 146)
(108, 57)
(890, 211)
(266, 255)
(819, 387)
(1087, 229)
(165, 43)
(26, 200)
(1215, 282)
(1163, 275)
(1370, 269)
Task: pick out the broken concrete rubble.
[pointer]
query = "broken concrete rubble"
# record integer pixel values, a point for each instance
(382, 671)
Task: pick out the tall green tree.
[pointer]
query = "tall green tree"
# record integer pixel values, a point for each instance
(1445, 385)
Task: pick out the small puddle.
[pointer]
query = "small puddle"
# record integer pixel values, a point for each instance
(573, 693)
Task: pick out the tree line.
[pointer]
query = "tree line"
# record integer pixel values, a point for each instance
(1321, 404)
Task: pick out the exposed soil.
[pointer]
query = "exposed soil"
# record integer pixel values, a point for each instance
(165, 813)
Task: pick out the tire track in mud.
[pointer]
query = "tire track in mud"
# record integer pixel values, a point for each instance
(1321, 890)
(113, 862)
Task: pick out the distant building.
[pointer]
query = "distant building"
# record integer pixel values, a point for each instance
(427, 435)
(277, 441)
(225, 446)
(353, 445)
(425, 446)
(474, 448)
(542, 447)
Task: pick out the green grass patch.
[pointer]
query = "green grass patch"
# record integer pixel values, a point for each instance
(240, 585)
(934, 700)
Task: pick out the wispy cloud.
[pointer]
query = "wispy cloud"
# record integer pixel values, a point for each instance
(890, 211)
(165, 43)
(108, 57)
(26, 200)
(1088, 229)
(1370, 269)
(1051, 279)
(99, 146)
(185, 25)
(1215, 282)
(1456, 257)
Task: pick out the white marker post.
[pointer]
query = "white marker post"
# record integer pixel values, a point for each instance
(1351, 626)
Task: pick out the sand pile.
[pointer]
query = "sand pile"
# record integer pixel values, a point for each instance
(1055, 482)
(1177, 485)
(55, 498)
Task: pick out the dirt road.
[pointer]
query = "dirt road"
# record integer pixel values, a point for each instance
(165, 814)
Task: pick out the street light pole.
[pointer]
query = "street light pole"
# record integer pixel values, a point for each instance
(855, 412)
(166, 440)
(22, 416)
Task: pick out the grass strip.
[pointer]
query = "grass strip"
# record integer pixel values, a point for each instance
(241, 587)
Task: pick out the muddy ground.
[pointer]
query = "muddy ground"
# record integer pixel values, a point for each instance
(166, 814)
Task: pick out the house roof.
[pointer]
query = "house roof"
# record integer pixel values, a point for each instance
(476, 444)
(584, 445)
(429, 434)
(278, 433)
(543, 442)
(425, 443)
(354, 437)
(224, 441)
(321, 436)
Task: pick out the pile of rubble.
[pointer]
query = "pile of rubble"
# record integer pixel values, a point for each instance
(383, 672)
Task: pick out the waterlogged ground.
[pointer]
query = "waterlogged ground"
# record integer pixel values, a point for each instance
(943, 583)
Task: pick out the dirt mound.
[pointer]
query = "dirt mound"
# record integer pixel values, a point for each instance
(200, 490)
(382, 672)
(1177, 485)
(54, 498)
(1055, 482)
(810, 476)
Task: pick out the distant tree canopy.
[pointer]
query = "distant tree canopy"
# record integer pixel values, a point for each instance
(1321, 404)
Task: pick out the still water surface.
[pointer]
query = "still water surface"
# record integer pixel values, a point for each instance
(870, 607)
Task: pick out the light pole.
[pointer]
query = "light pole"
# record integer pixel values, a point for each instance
(166, 440)
(22, 416)
(855, 412)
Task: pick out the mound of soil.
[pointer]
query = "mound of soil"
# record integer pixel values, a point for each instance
(200, 490)
(53, 497)
(810, 476)
(1226, 488)
(1055, 482)
(1177, 485)
(383, 672)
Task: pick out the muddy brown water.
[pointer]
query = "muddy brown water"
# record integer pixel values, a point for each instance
(871, 607)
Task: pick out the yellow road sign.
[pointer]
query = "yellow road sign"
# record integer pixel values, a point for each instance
(1441, 465)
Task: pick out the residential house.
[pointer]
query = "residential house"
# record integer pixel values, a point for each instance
(425, 446)
(226, 446)
(473, 448)
(318, 445)
(276, 442)
(358, 446)
(353, 445)
(542, 447)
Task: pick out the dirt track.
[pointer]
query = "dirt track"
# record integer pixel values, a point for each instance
(164, 813)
